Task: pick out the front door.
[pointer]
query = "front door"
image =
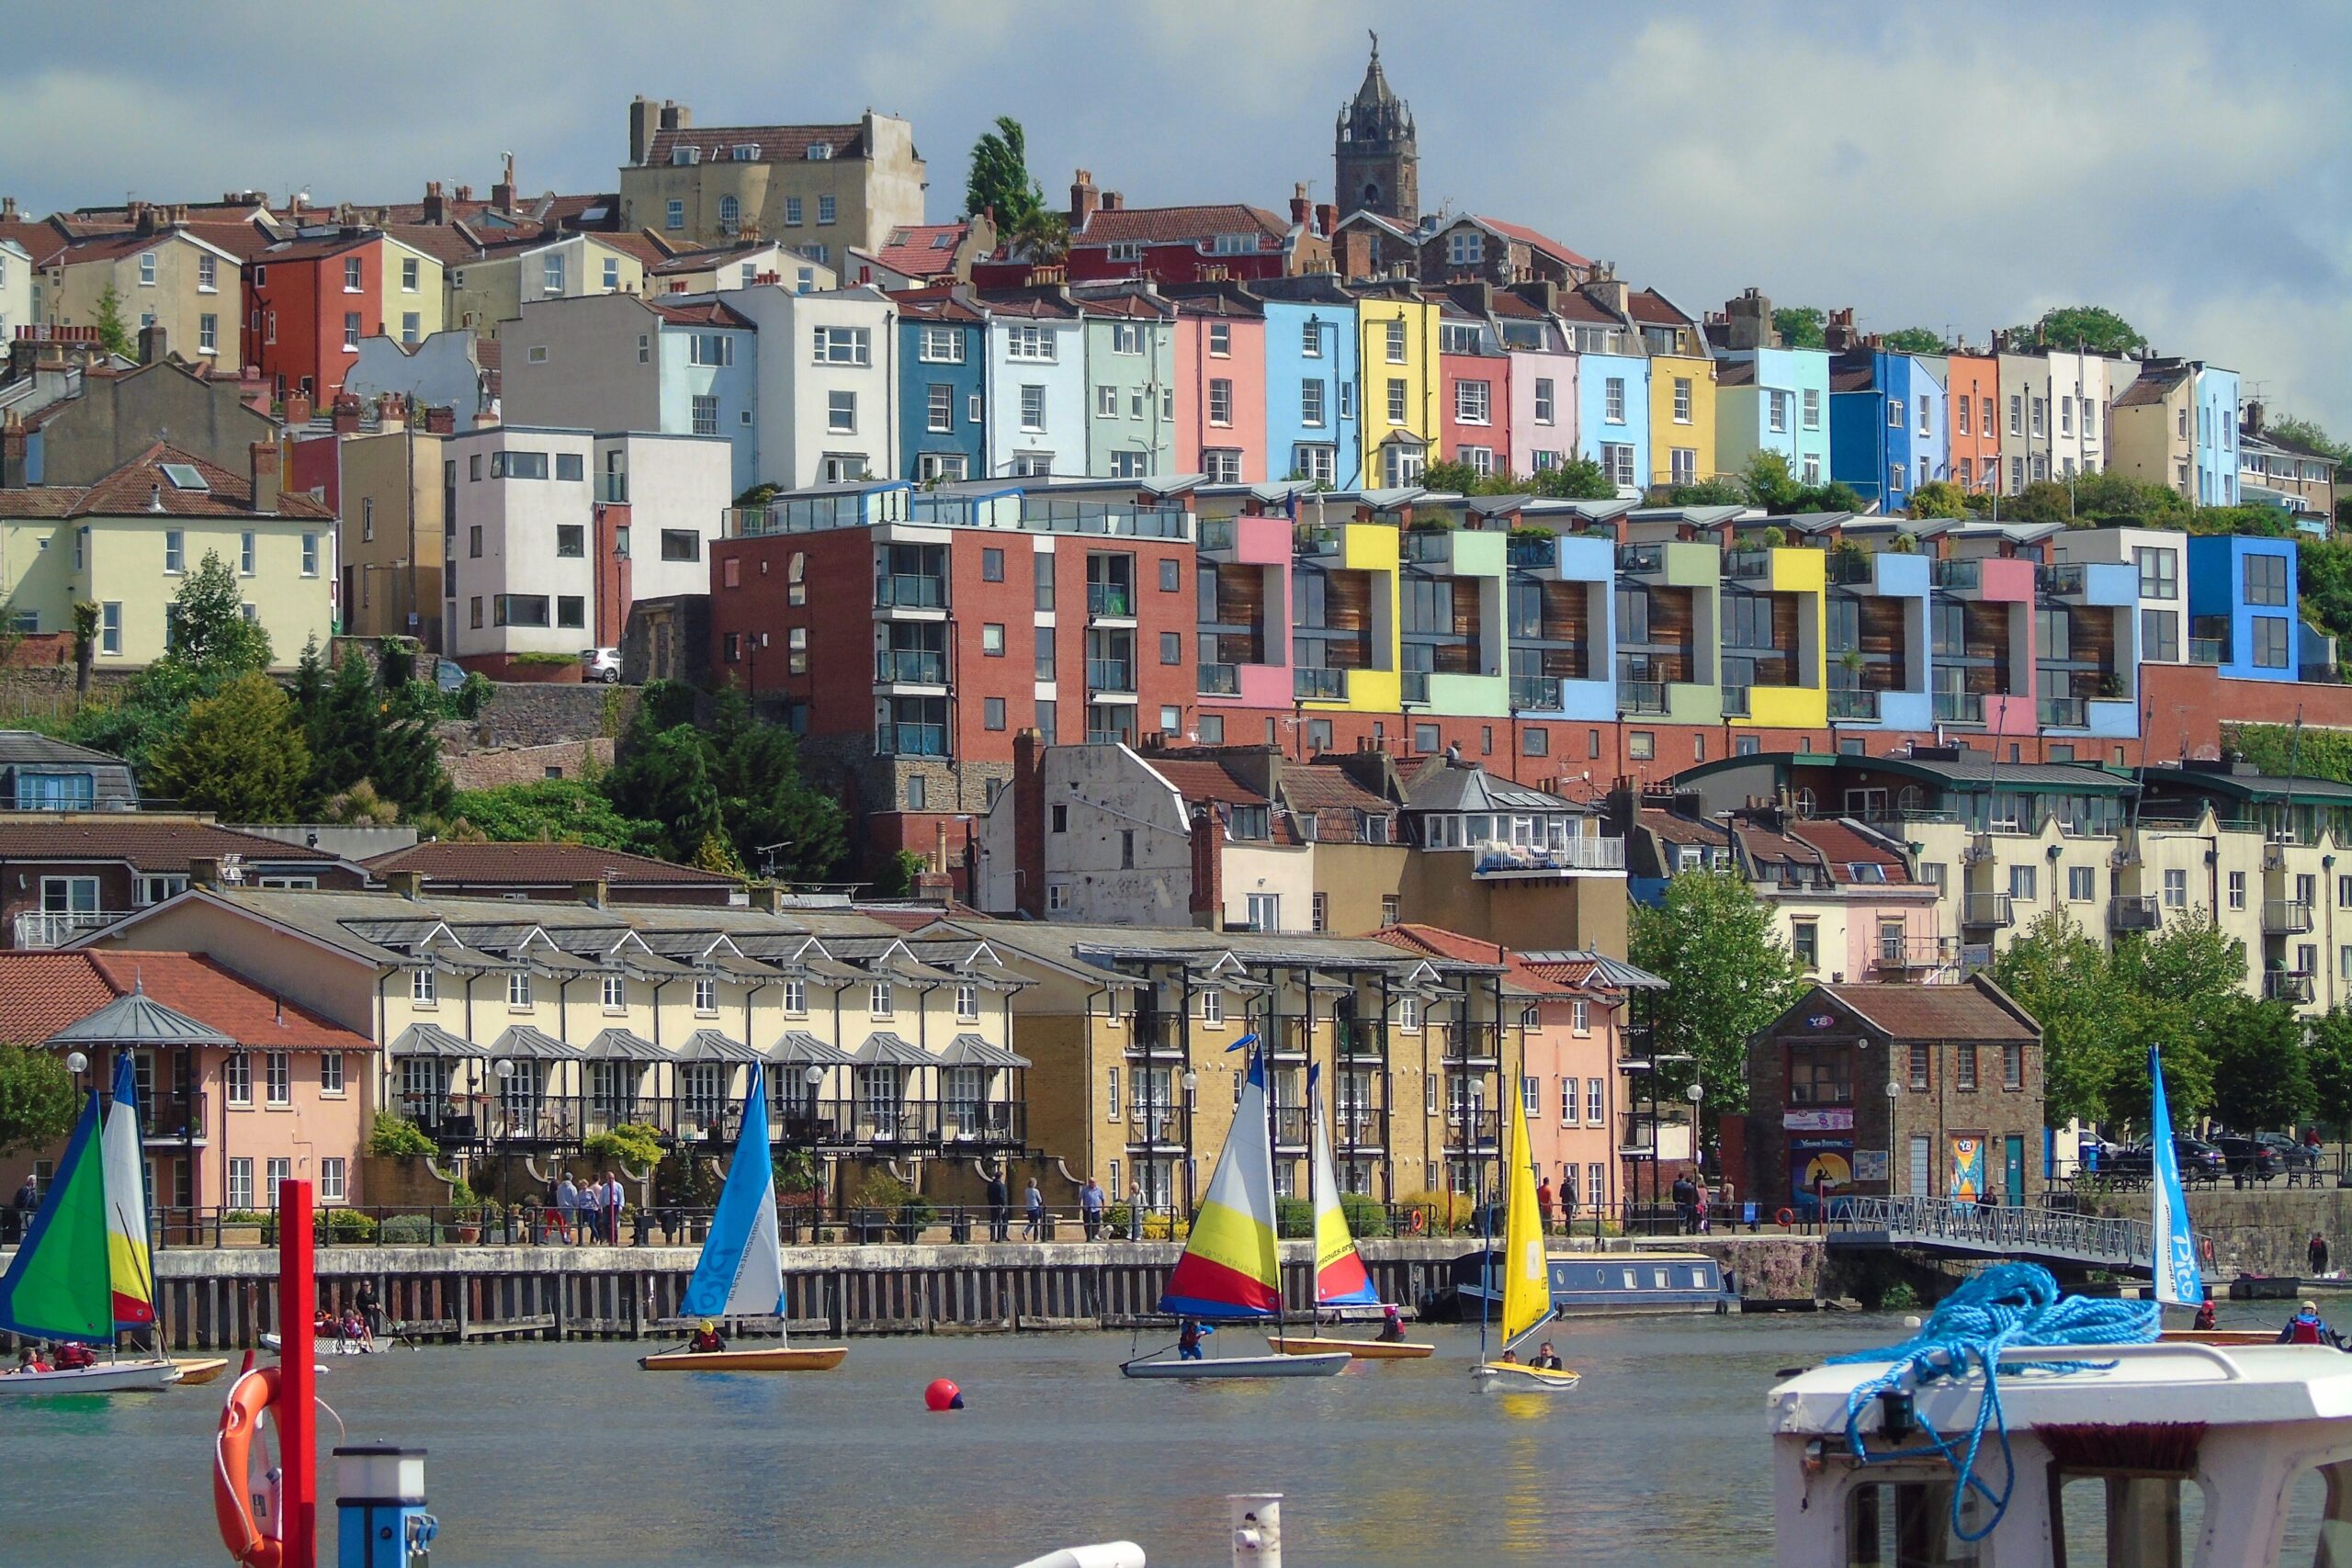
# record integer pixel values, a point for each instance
(1922, 1177)
(2013, 1171)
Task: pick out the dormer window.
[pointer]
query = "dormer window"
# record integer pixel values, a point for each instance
(1247, 822)
(747, 152)
(820, 150)
(686, 154)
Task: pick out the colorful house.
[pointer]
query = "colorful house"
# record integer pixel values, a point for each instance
(2217, 435)
(1972, 431)
(1398, 350)
(1613, 384)
(1220, 334)
(1683, 447)
(942, 406)
(1130, 384)
(311, 300)
(1542, 381)
(1313, 341)
(1886, 425)
(1774, 400)
(1473, 392)
(1036, 394)
(2242, 606)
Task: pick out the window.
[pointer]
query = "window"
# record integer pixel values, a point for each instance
(844, 346)
(2270, 642)
(941, 346)
(110, 627)
(570, 610)
(237, 1072)
(1613, 399)
(277, 1077)
(992, 638)
(1959, 411)
(992, 713)
(2160, 635)
(2017, 414)
(1535, 741)
(2175, 889)
(1471, 402)
(1172, 647)
(518, 988)
(1029, 340)
(1617, 461)
(208, 334)
(880, 1000)
(175, 551)
(2081, 883)
(1804, 943)
(1682, 400)
(1033, 409)
(1395, 341)
(1777, 411)
(1106, 401)
(680, 544)
(1314, 463)
(351, 330)
(716, 350)
(612, 275)
(241, 1181)
(1346, 400)
(840, 414)
(1263, 911)
(1920, 1057)
(208, 273)
(705, 416)
(1963, 1068)
(1465, 247)
(245, 553)
(824, 209)
(1683, 465)
(1544, 402)
(2266, 579)
(1640, 745)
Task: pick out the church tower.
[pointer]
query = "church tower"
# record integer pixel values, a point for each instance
(1377, 167)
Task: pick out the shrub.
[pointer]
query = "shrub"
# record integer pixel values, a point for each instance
(1293, 1217)
(392, 1133)
(470, 1207)
(878, 1188)
(1365, 1217)
(546, 661)
(1117, 1217)
(344, 1227)
(406, 1230)
(632, 1144)
(1450, 1212)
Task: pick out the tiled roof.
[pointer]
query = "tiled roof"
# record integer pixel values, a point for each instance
(41, 241)
(1132, 307)
(1206, 779)
(143, 843)
(921, 249)
(1045, 304)
(778, 144)
(139, 486)
(1503, 302)
(1735, 373)
(1177, 225)
(1542, 980)
(450, 243)
(42, 993)
(1649, 305)
(1676, 828)
(450, 861)
(2151, 387)
(1528, 237)
(1972, 1012)
(637, 244)
(713, 256)
(242, 241)
(1863, 380)
(1843, 848)
(936, 308)
(1574, 307)
(318, 247)
(1337, 802)
(706, 313)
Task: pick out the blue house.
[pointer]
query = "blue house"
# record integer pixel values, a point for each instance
(1886, 425)
(943, 407)
(2242, 606)
(1613, 416)
(1312, 347)
(1774, 400)
(2216, 398)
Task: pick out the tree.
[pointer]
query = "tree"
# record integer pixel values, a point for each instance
(1041, 236)
(1707, 492)
(1578, 478)
(1000, 180)
(1727, 974)
(2094, 329)
(2331, 1068)
(37, 1102)
(210, 632)
(114, 332)
(2261, 1072)
(2060, 976)
(1916, 340)
(762, 799)
(2308, 433)
(663, 778)
(561, 811)
(1801, 326)
(1938, 498)
(239, 754)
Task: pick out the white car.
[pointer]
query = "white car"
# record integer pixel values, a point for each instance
(600, 664)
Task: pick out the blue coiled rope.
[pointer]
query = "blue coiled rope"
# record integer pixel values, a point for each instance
(2008, 1303)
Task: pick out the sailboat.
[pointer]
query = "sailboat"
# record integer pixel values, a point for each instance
(1340, 1279)
(83, 1272)
(740, 1271)
(1527, 1275)
(1230, 1270)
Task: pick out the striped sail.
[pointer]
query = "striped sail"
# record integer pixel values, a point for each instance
(1527, 1278)
(60, 1285)
(130, 1271)
(1228, 1269)
(2178, 1281)
(740, 1271)
(1340, 1279)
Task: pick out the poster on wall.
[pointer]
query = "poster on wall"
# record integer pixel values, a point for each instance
(1869, 1165)
(1967, 1166)
(1826, 1165)
(1828, 1119)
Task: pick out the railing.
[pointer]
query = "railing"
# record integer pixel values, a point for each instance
(1960, 707)
(1428, 548)
(1312, 684)
(2285, 916)
(2286, 986)
(1115, 601)
(1360, 1127)
(1956, 573)
(911, 739)
(1848, 569)
(911, 592)
(1993, 1227)
(918, 666)
(1736, 701)
(2058, 581)
(1532, 555)
(1743, 565)
(1472, 1129)
(55, 928)
(1638, 560)
(1852, 702)
(613, 489)
(1413, 686)
(1473, 1041)
(1358, 1039)
(1219, 680)
(2209, 650)
(1496, 857)
(1641, 697)
(1311, 541)
(1157, 1125)
(2143, 912)
(1217, 534)
(2061, 712)
(1290, 1126)
(1040, 515)
(176, 1117)
(1535, 694)
(1110, 675)
(1987, 909)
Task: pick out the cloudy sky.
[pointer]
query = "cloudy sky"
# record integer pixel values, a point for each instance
(1958, 166)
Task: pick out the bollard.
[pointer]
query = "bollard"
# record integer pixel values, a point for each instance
(1257, 1529)
(379, 1495)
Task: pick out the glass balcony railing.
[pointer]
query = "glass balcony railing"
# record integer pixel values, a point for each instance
(1960, 707)
(611, 489)
(901, 592)
(1217, 534)
(1957, 575)
(1534, 555)
(1219, 680)
(1535, 694)
(2136, 912)
(1307, 541)
(1851, 567)
(1115, 599)
(1641, 697)
(1742, 565)
(1846, 702)
(918, 665)
(2061, 712)
(2058, 581)
(2286, 986)
(1316, 685)
(912, 740)
(1636, 559)
(1110, 675)
(1737, 701)
(1413, 686)
(2207, 651)
(1430, 548)
(1987, 909)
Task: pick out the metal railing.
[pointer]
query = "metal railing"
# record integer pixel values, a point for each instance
(1219, 680)
(1496, 857)
(900, 590)
(1110, 675)
(917, 666)
(1473, 1129)
(1956, 573)
(1310, 683)
(2061, 712)
(1475, 1042)
(55, 928)
(1641, 697)
(2285, 916)
(1532, 555)
(1290, 1126)
(2142, 912)
(176, 1116)
(2286, 986)
(2058, 580)
(1641, 559)
(1960, 707)
(1993, 1227)
(1852, 702)
(1041, 514)
(1115, 601)
(1987, 909)
(2209, 650)
(1538, 694)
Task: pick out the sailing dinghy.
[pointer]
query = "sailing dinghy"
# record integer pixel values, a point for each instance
(83, 1272)
(1527, 1277)
(1340, 1279)
(741, 1272)
(1231, 1272)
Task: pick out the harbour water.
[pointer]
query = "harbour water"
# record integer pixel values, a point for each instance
(566, 1456)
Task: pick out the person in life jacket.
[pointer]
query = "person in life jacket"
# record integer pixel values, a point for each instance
(2306, 1328)
(707, 1339)
(2206, 1316)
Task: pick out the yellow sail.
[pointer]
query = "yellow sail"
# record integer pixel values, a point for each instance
(1527, 1280)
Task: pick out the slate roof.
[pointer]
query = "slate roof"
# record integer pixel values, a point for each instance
(704, 313)
(1439, 785)
(139, 485)
(141, 843)
(40, 239)
(778, 144)
(1534, 241)
(936, 308)
(1648, 305)
(1177, 225)
(1336, 802)
(1676, 828)
(1208, 780)
(42, 993)
(2153, 385)
(1842, 847)
(526, 863)
(1735, 373)
(1974, 1011)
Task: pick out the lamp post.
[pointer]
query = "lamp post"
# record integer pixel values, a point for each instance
(812, 1075)
(1695, 1094)
(1470, 1141)
(1893, 1098)
(77, 1064)
(504, 1071)
(1191, 1081)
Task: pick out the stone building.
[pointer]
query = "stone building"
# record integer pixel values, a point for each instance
(1376, 161)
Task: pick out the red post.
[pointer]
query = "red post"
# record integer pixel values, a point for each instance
(296, 1409)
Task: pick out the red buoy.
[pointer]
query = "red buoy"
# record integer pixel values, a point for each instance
(943, 1395)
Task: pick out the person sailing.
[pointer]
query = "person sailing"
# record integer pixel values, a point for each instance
(2206, 1317)
(2307, 1327)
(1392, 1326)
(1546, 1358)
(1189, 1334)
(707, 1339)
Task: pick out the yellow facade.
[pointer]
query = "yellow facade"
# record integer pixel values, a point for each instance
(1682, 418)
(193, 290)
(1800, 571)
(485, 294)
(415, 297)
(391, 547)
(1397, 360)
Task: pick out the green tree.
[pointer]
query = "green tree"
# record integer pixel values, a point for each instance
(239, 754)
(1578, 478)
(2262, 1076)
(2058, 974)
(1727, 974)
(1938, 498)
(37, 1102)
(1000, 180)
(2331, 1068)
(1916, 340)
(114, 332)
(663, 778)
(1455, 478)
(1707, 492)
(210, 632)
(2308, 433)
(1801, 326)
(1041, 236)
(2093, 328)
(896, 879)
(762, 799)
(561, 811)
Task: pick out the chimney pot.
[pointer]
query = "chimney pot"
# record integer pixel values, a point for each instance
(204, 870)
(594, 893)
(265, 473)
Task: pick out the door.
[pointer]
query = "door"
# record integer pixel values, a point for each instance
(2013, 1171)
(1922, 1181)
(1967, 1166)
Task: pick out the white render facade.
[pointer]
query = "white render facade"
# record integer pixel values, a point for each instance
(1036, 395)
(16, 288)
(828, 384)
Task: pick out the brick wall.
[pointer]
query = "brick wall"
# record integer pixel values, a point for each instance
(525, 764)
(532, 715)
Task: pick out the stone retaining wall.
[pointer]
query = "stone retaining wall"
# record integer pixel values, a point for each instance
(2259, 1230)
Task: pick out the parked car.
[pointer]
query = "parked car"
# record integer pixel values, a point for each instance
(2200, 1162)
(600, 664)
(2294, 1159)
(2247, 1159)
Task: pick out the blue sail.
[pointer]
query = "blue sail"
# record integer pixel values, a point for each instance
(2178, 1278)
(741, 1272)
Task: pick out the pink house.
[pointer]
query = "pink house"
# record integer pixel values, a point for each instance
(1473, 393)
(1220, 383)
(1542, 406)
(1997, 599)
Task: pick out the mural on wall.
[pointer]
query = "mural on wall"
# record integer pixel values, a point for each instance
(1967, 1166)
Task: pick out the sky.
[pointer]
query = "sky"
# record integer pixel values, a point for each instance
(1959, 165)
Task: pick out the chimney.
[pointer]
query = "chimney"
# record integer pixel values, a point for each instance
(644, 118)
(409, 885)
(298, 409)
(1838, 334)
(441, 421)
(2254, 418)
(1750, 318)
(7, 209)
(593, 894)
(152, 342)
(502, 195)
(145, 219)
(1029, 824)
(14, 455)
(204, 870)
(1113, 201)
(675, 116)
(1327, 220)
(1607, 290)
(344, 414)
(1301, 212)
(465, 194)
(1207, 905)
(264, 464)
(1083, 199)
(437, 206)
(767, 897)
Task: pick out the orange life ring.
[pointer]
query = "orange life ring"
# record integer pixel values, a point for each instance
(1420, 1222)
(1787, 1218)
(233, 1505)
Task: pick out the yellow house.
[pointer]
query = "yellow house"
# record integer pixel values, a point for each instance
(127, 542)
(1398, 402)
(167, 277)
(1345, 631)
(415, 292)
(488, 291)
(1682, 391)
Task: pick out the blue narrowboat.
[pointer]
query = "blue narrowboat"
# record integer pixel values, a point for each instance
(1587, 1284)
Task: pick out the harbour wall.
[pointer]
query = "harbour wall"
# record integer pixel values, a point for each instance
(2259, 1230)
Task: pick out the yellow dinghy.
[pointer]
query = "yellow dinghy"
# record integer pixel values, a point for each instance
(1362, 1350)
(769, 1358)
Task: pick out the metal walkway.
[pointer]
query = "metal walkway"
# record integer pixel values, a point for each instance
(2041, 1236)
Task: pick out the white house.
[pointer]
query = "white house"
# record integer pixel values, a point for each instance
(16, 288)
(828, 388)
(1036, 386)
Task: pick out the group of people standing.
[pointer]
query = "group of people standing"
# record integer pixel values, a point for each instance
(589, 1212)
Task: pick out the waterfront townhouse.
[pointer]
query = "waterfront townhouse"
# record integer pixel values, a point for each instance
(1768, 396)
(16, 287)
(943, 370)
(2158, 562)
(1612, 382)
(161, 275)
(1069, 610)
(1669, 614)
(822, 189)
(1130, 347)
(1343, 626)
(1682, 389)
(1541, 392)
(1973, 431)
(489, 290)
(1397, 352)
(2087, 627)
(83, 853)
(553, 534)
(1314, 432)
(2079, 396)
(510, 1031)
(1877, 609)
(625, 362)
(2154, 421)
(1473, 392)
(1886, 424)
(1772, 610)
(1221, 361)
(392, 536)
(311, 301)
(1036, 395)
(126, 542)
(1451, 589)
(826, 407)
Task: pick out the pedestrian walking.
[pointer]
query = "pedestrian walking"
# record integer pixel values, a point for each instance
(1033, 1203)
(1090, 1208)
(21, 1209)
(1544, 1204)
(2316, 1253)
(615, 1200)
(1685, 1196)
(1699, 1220)
(567, 1207)
(1000, 1207)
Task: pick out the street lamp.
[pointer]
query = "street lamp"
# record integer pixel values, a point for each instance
(812, 1075)
(1894, 1097)
(1470, 1140)
(1694, 1093)
(1191, 1081)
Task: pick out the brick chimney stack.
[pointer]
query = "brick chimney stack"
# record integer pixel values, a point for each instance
(644, 118)
(13, 450)
(298, 410)
(265, 471)
(1327, 220)
(437, 206)
(145, 218)
(1029, 824)
(1838, 334)
(344, 415)
(502, 195)
(1084, 199)
(153, 344)
(1301, 212)
(1208, 905)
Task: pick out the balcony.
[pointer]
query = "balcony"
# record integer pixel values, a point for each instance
(2285, 916)
(1853, 702)
(178, 1117)
(1429, 547)
(1960, 707)
(1358, 1040)
(1472, 1129)
(1852, 569)
(613, 489)
(1360, 1128)
(1217, 534)
(1158, 1126)
(1736, 701)
(1311, 542)
(2285, 985)
(1962, 574)
(1987, 909)
(1413, 688)
(1110, 675)
(2058, 581)
(919, 666)
(1501, 861)
(2209, 650)
(1641, 697)
(1290, 1122)
(1110, 601)
(1316, 685)
(2142, 913)
(1641, 560)
(1219, 680)
(937, 1124)
(55, 928)
(910, 739)
(1532, 555)
(1535, 694)
(1473, 1044)
(2061, 712)
(1744, 565)
(910, 592)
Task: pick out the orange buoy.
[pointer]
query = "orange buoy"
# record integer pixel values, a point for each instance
(943, 1395)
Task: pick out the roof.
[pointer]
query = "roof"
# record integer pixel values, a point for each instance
(1863, 379)
(1842, 847)
(2167, 777)
(44, 993)
(1176, 225)
(921, 249)
(776, 143)
(29, 747)
(1648, 305)
(1975, 1010)
(2153, 384)
(710, 256)
(1441, 785)
(1206, 780)
(448, 860)
(1965, 770)
(1676, 828)
(1442, 944)
(939, 308)
(146, 843)
(318, 247)
(1337, 804)
(1534, 241)
(1735, 373)
(709, 312)
(40, 239)
(138, 1020)
(141, 487)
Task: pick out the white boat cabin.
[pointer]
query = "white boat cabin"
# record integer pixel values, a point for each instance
(2177, 1455)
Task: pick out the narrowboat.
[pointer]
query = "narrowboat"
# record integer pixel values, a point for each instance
(1592, 1284)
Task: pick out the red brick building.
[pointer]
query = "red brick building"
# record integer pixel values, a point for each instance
(1109, 241)
(70, 873)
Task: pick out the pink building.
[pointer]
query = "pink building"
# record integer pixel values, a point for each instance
(1220, 383)
(1543, 399)
(1473, 393)
(1245, 626)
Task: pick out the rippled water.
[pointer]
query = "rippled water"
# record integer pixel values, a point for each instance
(566, 1456)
